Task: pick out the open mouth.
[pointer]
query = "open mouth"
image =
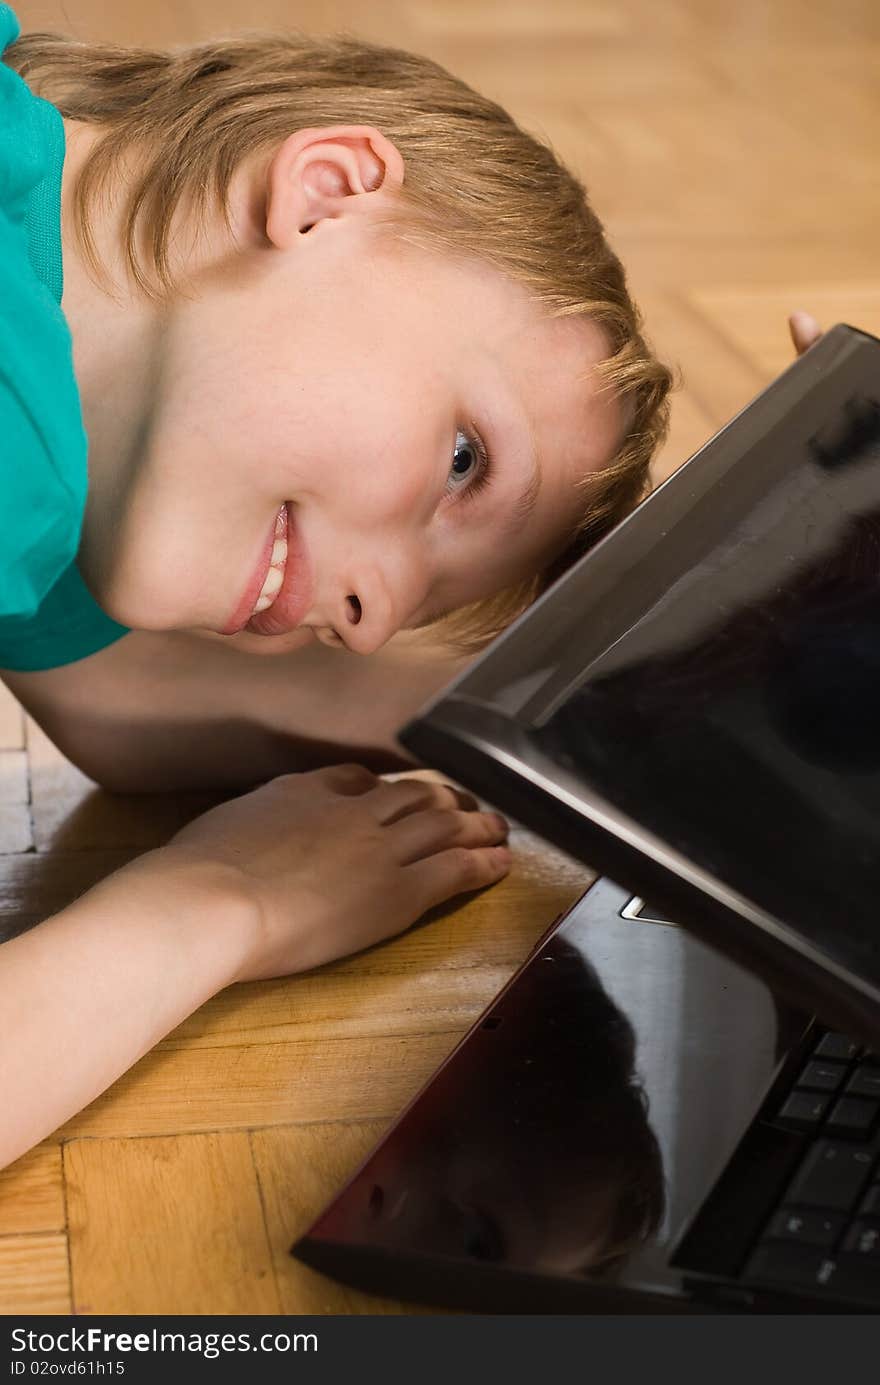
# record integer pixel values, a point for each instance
(284, 596)
(277, 564)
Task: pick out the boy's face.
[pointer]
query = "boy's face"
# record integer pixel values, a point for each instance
(342, 384)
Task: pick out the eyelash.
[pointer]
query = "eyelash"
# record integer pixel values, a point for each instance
(481, 480)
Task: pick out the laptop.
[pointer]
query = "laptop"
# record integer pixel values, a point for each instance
(648, 1117)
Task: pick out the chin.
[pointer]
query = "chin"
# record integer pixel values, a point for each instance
(142, 606)
(250, 643)
(142, 577)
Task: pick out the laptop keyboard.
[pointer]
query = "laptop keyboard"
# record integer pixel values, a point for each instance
(824, 1233)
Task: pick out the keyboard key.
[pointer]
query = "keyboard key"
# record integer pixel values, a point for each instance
(804, 1110)
(825, 1077)
(871, 1202)
(805, 1228)
(831, 1176)
(852, 1279)
(837, 1046)
(865, 1081)
(855, 1279)
(791, 1265)
(863, 1239)
(852, 1116)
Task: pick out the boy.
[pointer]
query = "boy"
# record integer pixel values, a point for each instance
(353, 357)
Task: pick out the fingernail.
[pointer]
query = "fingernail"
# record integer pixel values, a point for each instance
(503, 854)
(500, 822)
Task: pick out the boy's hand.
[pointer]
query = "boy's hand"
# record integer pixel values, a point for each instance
(337, 859)
(804, 330)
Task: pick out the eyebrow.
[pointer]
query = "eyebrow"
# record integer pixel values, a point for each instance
(526, 501)
(528, 497)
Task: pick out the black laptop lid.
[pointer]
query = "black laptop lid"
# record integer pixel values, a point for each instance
(694, 708)
(556, 1159)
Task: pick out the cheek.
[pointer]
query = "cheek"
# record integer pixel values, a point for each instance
(379, 465)
(188, 530)
(486, 564)
(226, 402)
(157, 573)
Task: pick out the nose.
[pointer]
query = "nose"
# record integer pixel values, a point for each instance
(373, 608)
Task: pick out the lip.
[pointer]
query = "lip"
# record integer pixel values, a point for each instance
(295, 594)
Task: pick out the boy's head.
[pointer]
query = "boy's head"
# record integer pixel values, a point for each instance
(358, 274)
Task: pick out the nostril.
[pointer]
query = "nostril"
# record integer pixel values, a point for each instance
(354, 609)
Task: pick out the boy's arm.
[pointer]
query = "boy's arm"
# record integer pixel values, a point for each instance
(177, 711)
(84, 995)
(300, 871)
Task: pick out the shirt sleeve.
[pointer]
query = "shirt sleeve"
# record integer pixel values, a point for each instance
(68, 625)
(47, 615)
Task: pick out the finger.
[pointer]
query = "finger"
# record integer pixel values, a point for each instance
(394, 801)
(804, 330)
(345, 779)
(430, 777)
(457, 871)
(426, 833)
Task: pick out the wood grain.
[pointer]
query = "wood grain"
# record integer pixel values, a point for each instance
(133, 1204)
(34, 1275)
(234, 1088)
(32, 1193)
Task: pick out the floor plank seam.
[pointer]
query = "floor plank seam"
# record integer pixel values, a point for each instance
(33, 1235)
(184, 1046)
(176, 1132)
(67, 1229)
(264, 1214)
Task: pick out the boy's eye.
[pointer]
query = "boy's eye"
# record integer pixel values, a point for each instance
(469, 461)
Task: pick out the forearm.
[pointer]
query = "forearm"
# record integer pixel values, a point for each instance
(88, 992)
(163, 712)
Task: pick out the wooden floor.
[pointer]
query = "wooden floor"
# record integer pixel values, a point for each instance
(732, 151)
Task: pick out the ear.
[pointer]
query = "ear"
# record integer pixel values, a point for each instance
(314, 172)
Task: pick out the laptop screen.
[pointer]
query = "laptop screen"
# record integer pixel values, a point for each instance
(709, 676)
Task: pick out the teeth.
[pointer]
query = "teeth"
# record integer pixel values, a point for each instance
(272, 584)
(274, 577)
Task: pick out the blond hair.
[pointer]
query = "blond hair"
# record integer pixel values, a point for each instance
(476, 185)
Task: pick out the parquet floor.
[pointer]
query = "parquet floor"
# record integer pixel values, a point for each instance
(732, 151)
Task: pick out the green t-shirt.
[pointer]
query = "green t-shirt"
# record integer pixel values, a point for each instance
(47, 616)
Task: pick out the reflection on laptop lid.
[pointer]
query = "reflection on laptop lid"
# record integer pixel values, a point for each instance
(634, 1124)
